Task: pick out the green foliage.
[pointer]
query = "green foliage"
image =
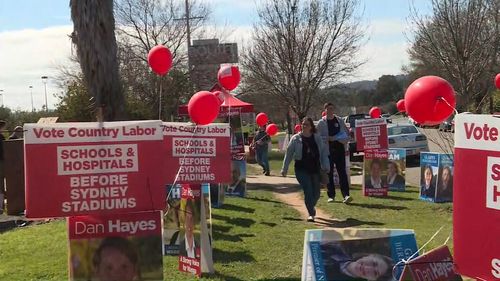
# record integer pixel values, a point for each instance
(75, 105)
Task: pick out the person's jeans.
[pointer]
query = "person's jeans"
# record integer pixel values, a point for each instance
(261, 155)
(310, 183)
(337, 160)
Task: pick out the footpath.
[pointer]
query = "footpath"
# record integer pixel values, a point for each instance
(288, 191)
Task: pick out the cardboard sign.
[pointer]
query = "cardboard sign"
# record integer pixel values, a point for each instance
(197, 154)
(436, 265)
(429, 165)
(238, 185)
(93, 168)
(171, 220)
(338, 254)
(375, 173)
(115, 247)
(476, 196)
(371, 134)
(396, 169)
(189, 244)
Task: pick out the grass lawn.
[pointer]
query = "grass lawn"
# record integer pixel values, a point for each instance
(257, 238)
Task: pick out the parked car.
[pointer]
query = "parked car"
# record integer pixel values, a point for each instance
(387, 118)
(407, 136)
(350, 122)
(448, 124)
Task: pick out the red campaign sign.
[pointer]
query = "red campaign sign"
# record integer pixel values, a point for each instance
(93, 168)
(436, 265)
(122, 225)
(197, 154)
(375, 172)
(476, 196)
(191, 265)
(371, 134)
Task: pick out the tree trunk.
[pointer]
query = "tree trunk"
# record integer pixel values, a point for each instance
(94, 37)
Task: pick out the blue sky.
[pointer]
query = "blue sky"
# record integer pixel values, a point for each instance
(34, 41)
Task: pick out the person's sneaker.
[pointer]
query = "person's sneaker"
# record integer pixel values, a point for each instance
(267, 173)
(310, 219)
(330, 200)
(347, 199)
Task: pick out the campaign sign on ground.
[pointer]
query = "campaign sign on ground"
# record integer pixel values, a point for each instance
(115, 247)
(429, 165)
(436, 265)
(396, 169)
(171, 219)
(238, 185)
(356, 254)
(476, 196)
(375, 173)
(371, 134)
(197, 154)
(93, 168)
(444, 187)
(190, 217)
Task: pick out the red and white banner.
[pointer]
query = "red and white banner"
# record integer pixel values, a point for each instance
(197, 154)
(371, 134)
(122, 225)
(436, 265)
(93, 168)
(476, 196)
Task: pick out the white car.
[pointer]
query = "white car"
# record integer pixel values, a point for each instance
(407, 136)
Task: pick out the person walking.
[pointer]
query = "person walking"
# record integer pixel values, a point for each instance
(310, 155)
(262, 140)
(334, 133)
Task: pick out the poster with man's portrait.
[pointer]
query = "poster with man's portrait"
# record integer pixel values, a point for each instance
(429, 163)
(375, 173)
(171, 220)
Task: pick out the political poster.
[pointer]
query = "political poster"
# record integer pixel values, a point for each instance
(435, 265)
(171, 219)
(444, 187)
(476, 196)
(190, 218)
(429, 165)
(217, 192)
(115, 247)
(207, 263)
(233, 118)
(93, 168)
(396, 169)
(356, 253)
(375, 173)
(197, 154)
(238, 185)
(371, 134)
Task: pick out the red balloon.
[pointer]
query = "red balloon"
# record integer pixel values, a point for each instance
(297, 128)
(497, 81)
(203, 107)
(430, 100)
(323, 114)
(375, 112)
(272, 129)
(229, 77)
(401, 105)
(261, 119)
(160, 59)
(220, 96)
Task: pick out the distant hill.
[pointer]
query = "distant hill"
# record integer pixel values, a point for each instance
(367, 84)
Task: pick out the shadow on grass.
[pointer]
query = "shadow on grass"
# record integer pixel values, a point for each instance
(234, 221)
(226, 257)
(264, 200)
(271, 224)
(220, 228)
(280, 279)
(231, 238)
(379, 206)
(399, 198)
(237, 208)
(349, 222)
(292, 219)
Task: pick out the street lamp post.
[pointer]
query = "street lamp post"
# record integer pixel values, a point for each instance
(31, 92)
(44, 80)
(1, 95)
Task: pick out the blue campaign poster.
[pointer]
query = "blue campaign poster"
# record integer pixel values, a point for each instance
(396, 169)
(238, 186)
(429, 165)
(444, 188)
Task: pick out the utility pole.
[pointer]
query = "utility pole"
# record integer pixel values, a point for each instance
(1, 95)
(44, 80)
(32, 107)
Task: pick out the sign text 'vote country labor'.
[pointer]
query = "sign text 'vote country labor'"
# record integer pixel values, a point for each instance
(476, 196)
(197, 154)
(93, 168)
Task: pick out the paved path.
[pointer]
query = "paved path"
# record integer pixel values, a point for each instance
(288, 191)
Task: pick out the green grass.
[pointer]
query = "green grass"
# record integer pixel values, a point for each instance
(255, 238)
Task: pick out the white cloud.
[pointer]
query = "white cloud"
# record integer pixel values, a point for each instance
(25, 56)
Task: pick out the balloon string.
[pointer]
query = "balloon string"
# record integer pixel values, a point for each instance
(445, 101)
(405, 261)
(159, 103)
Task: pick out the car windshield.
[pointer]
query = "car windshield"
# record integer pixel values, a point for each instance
(401, 130)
